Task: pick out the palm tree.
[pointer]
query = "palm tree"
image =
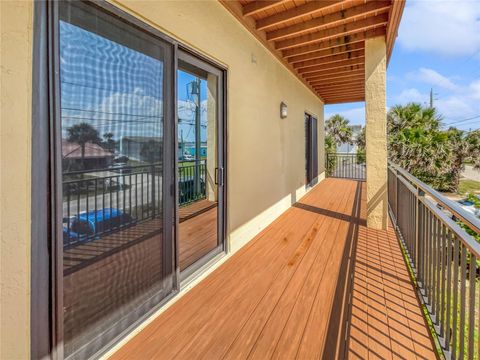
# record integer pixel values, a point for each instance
(337, 128)
(465, 148)
(82, 134)
(416, 143)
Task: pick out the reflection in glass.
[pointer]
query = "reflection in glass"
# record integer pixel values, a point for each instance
(197, 161)
(112, 142)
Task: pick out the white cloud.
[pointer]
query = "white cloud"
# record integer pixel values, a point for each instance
(432, 77)
(410, 95)
(443, 27)
(355, 115)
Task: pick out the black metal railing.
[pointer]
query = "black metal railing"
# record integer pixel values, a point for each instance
(443, 257)
(101, 201)
(191, 181)
(345, 165)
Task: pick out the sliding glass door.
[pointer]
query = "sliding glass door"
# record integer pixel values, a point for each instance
(117, 247)
(137, 183)
(311, 149)
(200, 139)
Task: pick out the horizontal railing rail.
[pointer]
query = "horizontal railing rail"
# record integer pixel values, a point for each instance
(101, 201)
(345, 165)
(443, 257)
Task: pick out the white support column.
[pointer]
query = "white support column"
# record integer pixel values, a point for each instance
(376, 132)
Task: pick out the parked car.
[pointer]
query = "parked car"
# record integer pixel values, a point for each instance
(469, 206)
(86, 226)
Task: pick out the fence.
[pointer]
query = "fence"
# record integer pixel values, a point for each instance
(345, 165)
(96, 202)
(444, 259)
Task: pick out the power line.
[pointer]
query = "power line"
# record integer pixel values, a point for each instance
(463, 120)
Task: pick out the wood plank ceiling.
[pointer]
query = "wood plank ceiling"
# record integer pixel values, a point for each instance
(322, 41)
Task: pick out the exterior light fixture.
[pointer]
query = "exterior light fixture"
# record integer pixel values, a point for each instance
(283, 110)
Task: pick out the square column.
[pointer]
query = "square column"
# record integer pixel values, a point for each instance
(376, 132)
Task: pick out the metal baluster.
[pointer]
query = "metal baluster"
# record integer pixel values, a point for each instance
(472, 271)
(463, 284)
(449, 238)
(455, 296)
(443, 265)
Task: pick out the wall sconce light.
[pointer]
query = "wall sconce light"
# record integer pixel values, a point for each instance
(283, 110)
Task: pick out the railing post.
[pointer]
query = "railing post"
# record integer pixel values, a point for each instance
(420, 194)
(153, 191)
(396, 198)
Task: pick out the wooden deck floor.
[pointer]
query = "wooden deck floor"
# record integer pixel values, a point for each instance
(284, 295)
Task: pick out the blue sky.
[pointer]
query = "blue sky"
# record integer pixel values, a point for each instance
(438, 46)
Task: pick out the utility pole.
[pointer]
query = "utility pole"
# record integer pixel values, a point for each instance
(431, 97)
(198, 138)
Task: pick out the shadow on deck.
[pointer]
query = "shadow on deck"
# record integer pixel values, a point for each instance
(316, 283)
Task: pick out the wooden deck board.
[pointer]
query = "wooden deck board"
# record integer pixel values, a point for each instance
(278, 297)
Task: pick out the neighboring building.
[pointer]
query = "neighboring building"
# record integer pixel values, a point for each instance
(95, 157)
(351, 148)
(266, 69)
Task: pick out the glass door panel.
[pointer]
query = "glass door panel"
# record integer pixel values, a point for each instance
(199, 163)
(117, 261)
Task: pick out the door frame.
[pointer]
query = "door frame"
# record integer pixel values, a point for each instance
(311, 149)
(46, 329)
(196, 268)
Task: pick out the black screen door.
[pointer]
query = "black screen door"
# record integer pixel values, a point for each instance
(311, 149)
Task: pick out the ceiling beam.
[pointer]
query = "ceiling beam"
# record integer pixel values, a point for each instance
(339, 31)
(330, 59)
(330, 20)
(295, 13)
(331, 72)
(336, 77)
(327, 52)
(342, 87)
(362, 36)
(340, 64)
(341, 92)
(347, 100)
(337, 81)
(258, 6)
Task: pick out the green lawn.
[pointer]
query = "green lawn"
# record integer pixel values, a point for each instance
(469, 186)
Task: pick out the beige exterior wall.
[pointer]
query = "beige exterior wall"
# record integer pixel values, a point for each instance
(266, 154)
(15, 144)
(376, 132)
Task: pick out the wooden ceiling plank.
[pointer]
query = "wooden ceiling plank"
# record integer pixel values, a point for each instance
(338, 81)
(331, 72)
(329, 59)
(342, 101)
(330, 20)
(338, 93)
(327, 52)
(341, 77)
(339, 31)
(295, 13)
(343, 40)
(338, 73)
(346, 86)
(351, 62)
(261, 5)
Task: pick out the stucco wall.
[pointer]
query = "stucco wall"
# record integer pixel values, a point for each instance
(15, 139)
(376, 132)
(266, 154)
